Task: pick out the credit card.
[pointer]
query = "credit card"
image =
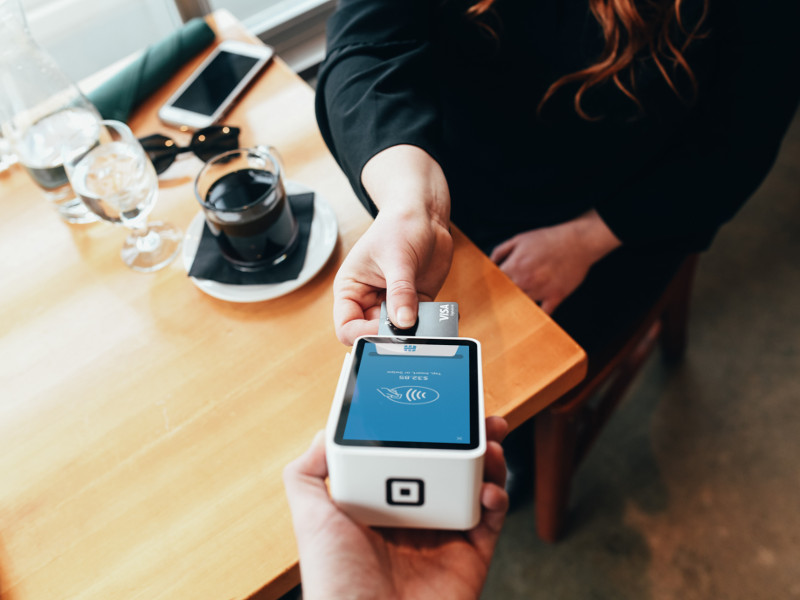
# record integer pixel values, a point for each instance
(435, 319)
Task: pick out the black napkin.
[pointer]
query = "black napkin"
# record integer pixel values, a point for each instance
(210, 264)
(117, 97)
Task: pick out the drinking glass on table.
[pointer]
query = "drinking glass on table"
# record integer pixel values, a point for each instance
(39, 108)
(246, 207)
(117, 182)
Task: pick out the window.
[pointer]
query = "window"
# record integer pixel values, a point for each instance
(85, 36)
(296, 28)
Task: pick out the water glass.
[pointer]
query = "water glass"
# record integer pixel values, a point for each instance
(39, 108)
(117, 182)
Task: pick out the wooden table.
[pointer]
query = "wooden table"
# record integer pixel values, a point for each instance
(144, 425)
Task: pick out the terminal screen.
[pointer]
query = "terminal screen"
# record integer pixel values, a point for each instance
(414, 393)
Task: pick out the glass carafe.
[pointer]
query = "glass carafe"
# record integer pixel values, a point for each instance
(40, 108)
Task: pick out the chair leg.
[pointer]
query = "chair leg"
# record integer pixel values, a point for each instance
(555, 439)
(556, 434)
(675, 318)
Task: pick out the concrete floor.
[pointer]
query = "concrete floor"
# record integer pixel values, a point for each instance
(693, 489)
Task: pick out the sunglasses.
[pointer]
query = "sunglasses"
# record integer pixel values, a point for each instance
(206, 144)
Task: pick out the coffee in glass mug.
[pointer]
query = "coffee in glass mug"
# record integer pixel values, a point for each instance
(246, 207)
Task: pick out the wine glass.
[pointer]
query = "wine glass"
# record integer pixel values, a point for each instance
(118, 183)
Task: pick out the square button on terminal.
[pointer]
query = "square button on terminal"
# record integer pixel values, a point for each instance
(406, 492)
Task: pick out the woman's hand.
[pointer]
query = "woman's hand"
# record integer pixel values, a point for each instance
(340, 558)
(549, 263)
(406, 253)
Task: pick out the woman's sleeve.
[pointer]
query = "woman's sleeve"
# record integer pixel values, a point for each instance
(701, 183)
(375, 88)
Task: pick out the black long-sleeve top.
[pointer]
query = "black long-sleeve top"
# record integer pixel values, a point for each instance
(421, 72)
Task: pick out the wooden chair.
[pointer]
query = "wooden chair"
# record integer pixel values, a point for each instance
(566, 430)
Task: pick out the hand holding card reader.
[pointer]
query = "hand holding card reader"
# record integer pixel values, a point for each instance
(406, 435)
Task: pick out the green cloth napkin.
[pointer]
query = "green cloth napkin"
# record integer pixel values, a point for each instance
(119, 95)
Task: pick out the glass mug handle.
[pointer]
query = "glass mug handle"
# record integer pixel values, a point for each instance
(272, 151)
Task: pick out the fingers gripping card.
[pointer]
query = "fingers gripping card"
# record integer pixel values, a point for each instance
(434, 319)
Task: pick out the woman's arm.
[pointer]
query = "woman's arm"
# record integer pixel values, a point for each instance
(377, 111)
(406, 253)
(376, 88)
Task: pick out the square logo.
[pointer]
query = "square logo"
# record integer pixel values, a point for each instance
(405, 492)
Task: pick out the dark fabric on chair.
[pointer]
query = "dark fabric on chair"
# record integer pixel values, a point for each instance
(565, 431)
(616, 294)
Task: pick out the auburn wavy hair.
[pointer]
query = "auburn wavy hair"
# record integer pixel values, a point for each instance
(629, 28)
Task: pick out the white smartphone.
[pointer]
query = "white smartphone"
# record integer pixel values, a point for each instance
(213, 87)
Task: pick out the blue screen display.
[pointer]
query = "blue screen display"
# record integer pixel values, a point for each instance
(411, 393)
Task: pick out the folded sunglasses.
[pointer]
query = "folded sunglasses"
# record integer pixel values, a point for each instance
(206, 144)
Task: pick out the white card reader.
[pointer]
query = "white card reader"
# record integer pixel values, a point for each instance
(406, 436)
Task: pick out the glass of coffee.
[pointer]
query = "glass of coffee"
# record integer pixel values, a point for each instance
(246, 208)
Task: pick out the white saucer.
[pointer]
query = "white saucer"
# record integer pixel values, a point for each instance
(321, 242)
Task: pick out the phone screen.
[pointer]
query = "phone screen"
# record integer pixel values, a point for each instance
(416, 393)
(215, 83)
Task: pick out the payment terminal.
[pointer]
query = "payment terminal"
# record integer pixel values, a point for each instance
(406, 439)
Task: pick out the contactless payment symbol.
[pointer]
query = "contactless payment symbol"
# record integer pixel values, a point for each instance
(406, 394)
